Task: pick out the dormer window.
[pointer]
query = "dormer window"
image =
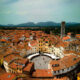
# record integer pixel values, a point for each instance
(9, 76)
(74, 59)
(62, 69)
(55, 65)
(71, 66)
(57, 58)
(54, 71)
(46, 41)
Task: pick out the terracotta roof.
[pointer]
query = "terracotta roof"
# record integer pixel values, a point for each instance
(28, 67)
(33, 43)
(18, 63)
(66, 38)
(42, 73)
(3, 40)
(78, 36)
(68, 52)
(22, 61)
(69, 33)
(7, 76)
(64, 62)
(10, 57)
(13, 65)
(63, 78)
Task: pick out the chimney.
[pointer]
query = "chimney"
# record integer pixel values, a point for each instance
(62, 29)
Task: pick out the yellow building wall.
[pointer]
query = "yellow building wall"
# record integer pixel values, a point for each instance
(78, 78)
(1, 62)
(43, 46)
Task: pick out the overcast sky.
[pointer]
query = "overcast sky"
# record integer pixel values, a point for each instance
(21, 11)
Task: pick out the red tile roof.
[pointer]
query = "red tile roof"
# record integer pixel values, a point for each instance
(7, 76)
(28, 67)
(78, 36)
(10, 57)
(34, 42)
(66, 38)
(42, 73)
(15, 63)
(65, 62)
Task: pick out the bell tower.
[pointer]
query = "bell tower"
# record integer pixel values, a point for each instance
(62, 29)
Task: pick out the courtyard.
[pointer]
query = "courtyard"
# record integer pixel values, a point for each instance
(41, 62)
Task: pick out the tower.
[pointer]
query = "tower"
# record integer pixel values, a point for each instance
(62, 29)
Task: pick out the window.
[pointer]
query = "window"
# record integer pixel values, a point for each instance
(9, 76)
(67, 68)
(20, 69)
(55, 65)
(71, 66)
(17, 68)
(74, 59)
(46, 41)
(54, 71)
(58, 71)
(62, 69)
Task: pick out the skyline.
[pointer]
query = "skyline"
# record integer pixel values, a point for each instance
(22, 11)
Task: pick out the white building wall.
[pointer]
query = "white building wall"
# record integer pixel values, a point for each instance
(65, 70)
(6, 66)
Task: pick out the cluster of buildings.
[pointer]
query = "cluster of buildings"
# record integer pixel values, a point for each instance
(19, 47)
(13, 63)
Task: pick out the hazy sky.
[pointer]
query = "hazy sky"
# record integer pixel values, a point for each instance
(21, 11)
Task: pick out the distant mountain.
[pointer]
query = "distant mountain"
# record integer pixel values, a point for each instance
(49, 23)
(41, 24)
(1, 25)
(72, 24)
(10, 25)
(29, 24)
